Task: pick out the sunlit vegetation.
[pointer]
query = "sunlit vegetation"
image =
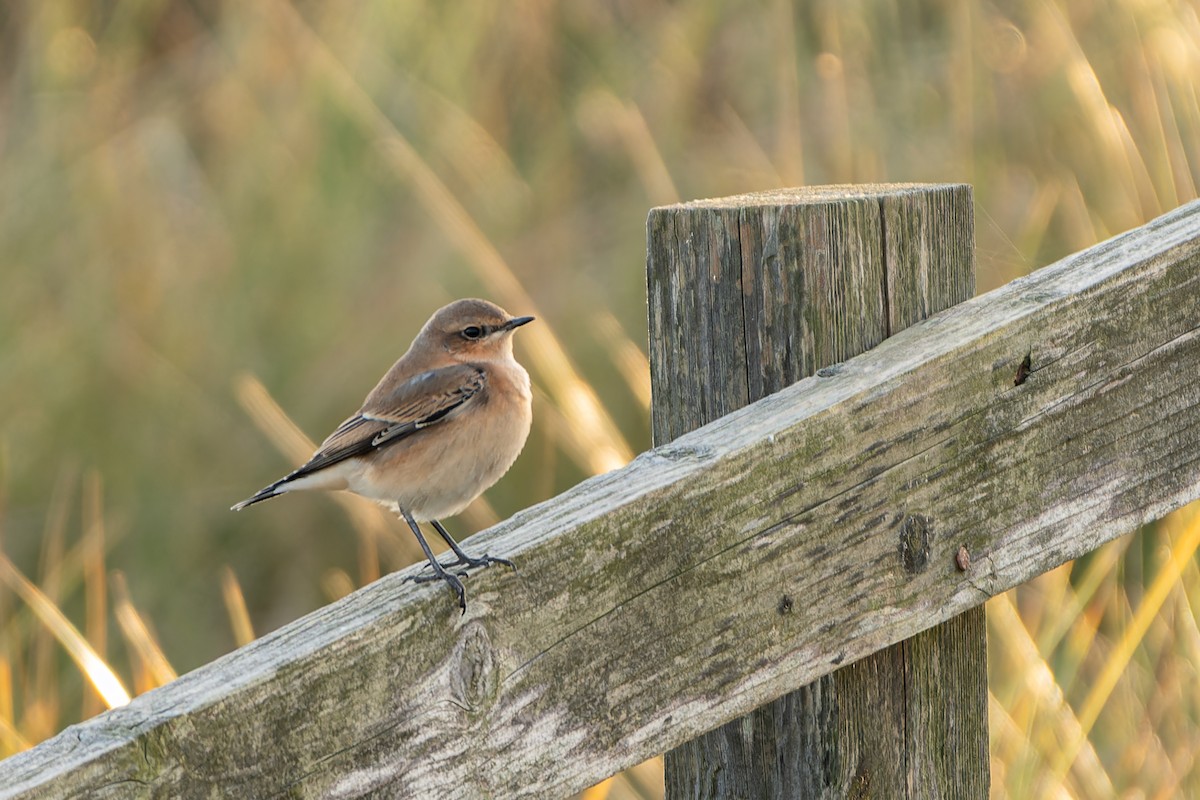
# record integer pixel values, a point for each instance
(220, 221)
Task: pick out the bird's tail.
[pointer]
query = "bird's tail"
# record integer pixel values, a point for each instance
(262, 494)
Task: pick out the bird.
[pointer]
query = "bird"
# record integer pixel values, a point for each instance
(441, 427)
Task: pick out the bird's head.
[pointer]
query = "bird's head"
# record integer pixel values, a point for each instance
(470, 330)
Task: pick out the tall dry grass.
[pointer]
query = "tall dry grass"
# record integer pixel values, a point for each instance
(219, 222)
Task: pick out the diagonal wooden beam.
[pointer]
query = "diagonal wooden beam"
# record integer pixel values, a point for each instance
(709, 576)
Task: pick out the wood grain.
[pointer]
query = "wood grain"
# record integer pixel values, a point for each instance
(798, 280)
(642, 592)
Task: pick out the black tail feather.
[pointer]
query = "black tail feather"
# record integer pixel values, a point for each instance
(262, 494)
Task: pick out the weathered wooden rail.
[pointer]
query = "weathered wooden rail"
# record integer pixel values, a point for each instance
(738, 563)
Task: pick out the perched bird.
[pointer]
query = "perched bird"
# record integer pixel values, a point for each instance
(444, 424)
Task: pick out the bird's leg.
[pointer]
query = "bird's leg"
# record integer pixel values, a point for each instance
(439, 572)
(465, 560)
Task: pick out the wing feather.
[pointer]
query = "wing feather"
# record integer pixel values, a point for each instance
(388, 417)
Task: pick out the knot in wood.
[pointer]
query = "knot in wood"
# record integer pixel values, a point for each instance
(831, 370)
(1023, 370)
(473, 677)
(914, 542)
(685, 452)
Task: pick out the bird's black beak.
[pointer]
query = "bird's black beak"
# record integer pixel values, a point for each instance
(517, 322)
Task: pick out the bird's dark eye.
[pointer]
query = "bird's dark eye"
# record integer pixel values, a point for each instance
(472, 332)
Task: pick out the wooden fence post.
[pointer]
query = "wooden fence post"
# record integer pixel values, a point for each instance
(747, 295)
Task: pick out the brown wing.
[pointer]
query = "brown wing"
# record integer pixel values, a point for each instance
(417, 403)
(423, 400)
(389, 417)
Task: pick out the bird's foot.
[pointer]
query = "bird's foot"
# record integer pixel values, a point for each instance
(440, 574)
(468, 562)
(450, 574)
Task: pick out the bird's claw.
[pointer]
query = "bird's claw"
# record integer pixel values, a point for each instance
(451, 579)
(481, 562)
(451, 575)
(434, 576)
(467, 563)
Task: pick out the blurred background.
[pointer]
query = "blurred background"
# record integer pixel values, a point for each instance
(220, 222)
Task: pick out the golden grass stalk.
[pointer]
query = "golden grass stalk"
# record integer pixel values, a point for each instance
(598, 792)
(235, 605)
(644, 779)
(605, 114)
(629, 358)
(336, 584)
(42, 689)
(98, 673)
(155, 670)
(1076, 594)
(11, 740)
(1183, 551)
(6, 690)
(1105, 121)
(94, 585)
(1040, 689)
(1008, 741)
(1189, 599)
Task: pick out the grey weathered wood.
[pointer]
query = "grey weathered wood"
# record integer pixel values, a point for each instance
(797, 280)
(641, 591)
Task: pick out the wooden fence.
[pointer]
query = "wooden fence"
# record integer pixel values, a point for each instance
(865, 506)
